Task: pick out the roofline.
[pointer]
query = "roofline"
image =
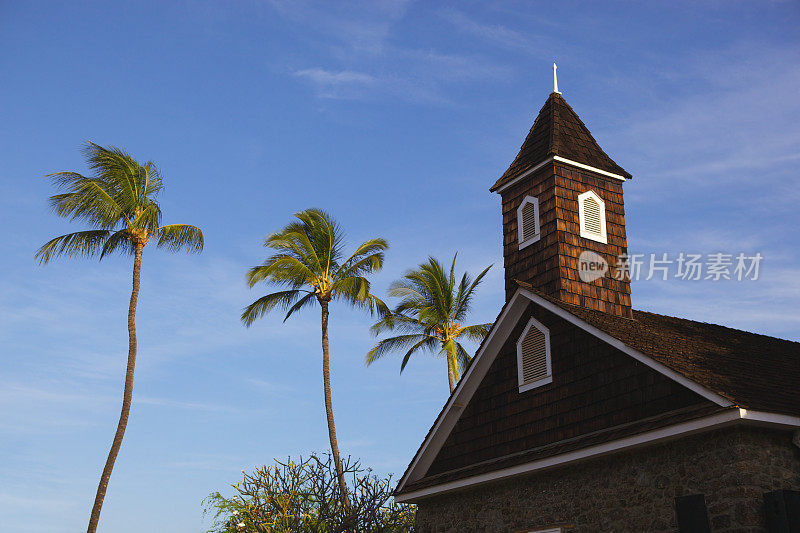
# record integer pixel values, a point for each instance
(636, 354)
(497, 336)
(708, 423)
(512, 309)
(559, 159)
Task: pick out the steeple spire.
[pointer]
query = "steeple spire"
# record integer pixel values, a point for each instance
(555, 80)
(558, 131)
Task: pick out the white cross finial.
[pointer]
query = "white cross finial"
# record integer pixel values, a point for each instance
(555, 80)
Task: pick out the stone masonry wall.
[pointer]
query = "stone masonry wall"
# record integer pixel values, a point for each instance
(632, 491)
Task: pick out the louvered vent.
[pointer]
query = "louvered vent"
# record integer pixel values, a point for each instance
(592, 213)
(533, 352)
(528, 221)
(592, 217)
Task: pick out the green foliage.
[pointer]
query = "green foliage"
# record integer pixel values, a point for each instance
(433, 305)
(294, 497)
(118, 201)
(310, 264)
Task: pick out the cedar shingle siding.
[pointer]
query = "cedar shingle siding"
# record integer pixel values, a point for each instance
(551, 264)
(595, 387)
(751, 370)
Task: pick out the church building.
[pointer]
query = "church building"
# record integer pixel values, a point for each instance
(580, 413)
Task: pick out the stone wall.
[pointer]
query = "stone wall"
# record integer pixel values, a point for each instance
(632, 491)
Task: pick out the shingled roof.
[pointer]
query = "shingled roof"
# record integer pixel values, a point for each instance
(753, 371)
(558, 131)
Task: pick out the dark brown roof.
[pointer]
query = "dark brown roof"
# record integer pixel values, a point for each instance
(753, 371)
(558, 131)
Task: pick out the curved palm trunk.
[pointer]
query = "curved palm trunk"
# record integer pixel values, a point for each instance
(127, 395)
(326, 378)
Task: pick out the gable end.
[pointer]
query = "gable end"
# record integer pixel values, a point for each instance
(501, 330)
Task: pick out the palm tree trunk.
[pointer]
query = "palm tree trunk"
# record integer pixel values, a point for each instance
(326, 378)
(127, 395)
(450, 374)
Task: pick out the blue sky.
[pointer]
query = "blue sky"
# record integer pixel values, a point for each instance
(396, 116)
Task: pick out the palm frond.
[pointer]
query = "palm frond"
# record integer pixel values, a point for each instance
(131, 181)
(118, 200)
(153, 181)
(309, 252)
(177, 236)
(148, 218)
(305, 301)
(356, 291)
(463, 358)
(465, 295)
(282, 269)
(393, 344)
(292, 240)
(398, 322)
(428, 344)
(365, 265)
(85, 199)
(119, 240)
(325, 235)
(367, 258)
(267, 303)
(433, 304)
(80, 243)
(475, 333)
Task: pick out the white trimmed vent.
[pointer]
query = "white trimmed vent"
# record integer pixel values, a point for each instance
(592, 216)
(528, 231)
(533, 356)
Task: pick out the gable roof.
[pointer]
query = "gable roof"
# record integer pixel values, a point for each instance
(712, 360)
(753, 371)
(558, 131)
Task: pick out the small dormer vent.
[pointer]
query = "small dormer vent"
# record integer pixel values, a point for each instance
(533, 356)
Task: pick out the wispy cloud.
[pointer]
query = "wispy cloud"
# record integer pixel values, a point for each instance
(739, 117)
(360, 27)
(269, 387)
(417, 76)
(494, 33)
(341, 84)
(370, 65)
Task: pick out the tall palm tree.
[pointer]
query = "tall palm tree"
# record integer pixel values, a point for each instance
(118, 202)
(430, 315)
(311, 265)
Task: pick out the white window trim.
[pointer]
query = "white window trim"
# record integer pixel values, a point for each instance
(533, 323)
(603, 237)
(528, 200)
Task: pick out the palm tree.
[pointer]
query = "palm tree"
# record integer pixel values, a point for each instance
(118, 202)
(310, 264)
(430, 316)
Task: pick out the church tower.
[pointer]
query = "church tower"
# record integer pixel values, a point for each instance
(562, 204)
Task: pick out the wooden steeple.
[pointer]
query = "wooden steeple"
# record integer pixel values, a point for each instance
(558, 162)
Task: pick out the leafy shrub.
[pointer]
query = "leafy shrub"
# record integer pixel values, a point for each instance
(303, 496)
